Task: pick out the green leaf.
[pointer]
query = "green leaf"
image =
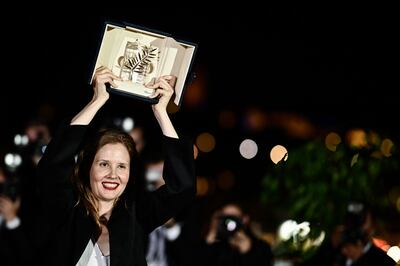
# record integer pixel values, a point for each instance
(354, 159)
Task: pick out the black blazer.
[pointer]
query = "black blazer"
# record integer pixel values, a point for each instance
(63, 229)
(374, 257)
(14, 247)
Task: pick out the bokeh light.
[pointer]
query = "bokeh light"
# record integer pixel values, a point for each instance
(278, 153)
(248, 149)
(202, 186)
(226, 180)
(205, 142)
(286, 229)
(231, 225)
(128, 124)
(394, 253)
(373, 138)
(332, 140)
(12, 160)
(195, 152)
(381, 243)
(357, 138)
(227, 119)
(17, 139)
(255, 120)
(195, 94)
(21, 140)
(294, 125)
(386, 147)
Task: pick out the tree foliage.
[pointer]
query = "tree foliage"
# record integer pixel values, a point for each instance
(316, 183)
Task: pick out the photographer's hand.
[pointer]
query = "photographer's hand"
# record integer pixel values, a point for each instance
(9, 208)
(211, 236)
(241, 241)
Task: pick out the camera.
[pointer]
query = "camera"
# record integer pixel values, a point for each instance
(228, 225)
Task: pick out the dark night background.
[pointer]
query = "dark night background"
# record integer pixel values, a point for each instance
(277, 74)
(335, 67)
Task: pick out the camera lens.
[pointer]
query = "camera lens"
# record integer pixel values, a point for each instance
(228, 226)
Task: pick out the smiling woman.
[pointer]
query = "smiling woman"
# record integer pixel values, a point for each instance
(110, 172)
(100, 218)
(102, 171)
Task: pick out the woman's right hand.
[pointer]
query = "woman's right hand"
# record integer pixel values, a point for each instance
(102, 76)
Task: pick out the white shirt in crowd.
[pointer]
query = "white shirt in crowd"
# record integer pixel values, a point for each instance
(13, 224)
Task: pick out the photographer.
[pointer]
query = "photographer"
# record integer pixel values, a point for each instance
(346, 242)
(230, 242)
(9, 203)
(356, 245)
(13, 242)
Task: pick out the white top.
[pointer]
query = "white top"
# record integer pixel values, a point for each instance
(156, 253)
(92, 256)
(13, 224)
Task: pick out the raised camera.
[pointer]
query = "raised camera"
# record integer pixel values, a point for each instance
(228, 225)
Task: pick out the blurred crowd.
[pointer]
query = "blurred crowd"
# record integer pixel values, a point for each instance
(225, 237)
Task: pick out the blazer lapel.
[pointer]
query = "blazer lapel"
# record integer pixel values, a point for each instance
(84, 229)
(121, 231)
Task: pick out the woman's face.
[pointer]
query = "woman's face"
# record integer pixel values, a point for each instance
(109, 173)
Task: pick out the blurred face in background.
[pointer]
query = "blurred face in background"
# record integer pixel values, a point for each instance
(353, 251)
(2, 176)
(153, 175)
(232, 210)
(137, 135)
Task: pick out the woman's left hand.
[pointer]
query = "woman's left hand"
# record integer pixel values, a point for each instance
(164, 89)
